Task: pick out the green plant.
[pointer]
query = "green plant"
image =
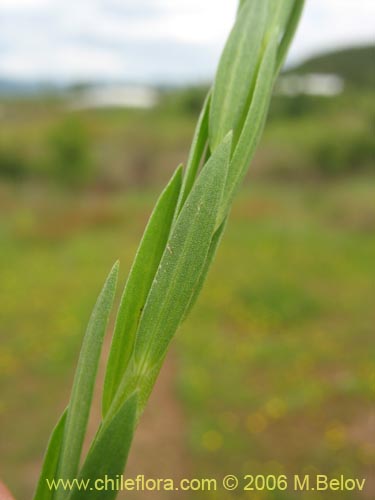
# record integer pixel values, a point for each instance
(174, 255)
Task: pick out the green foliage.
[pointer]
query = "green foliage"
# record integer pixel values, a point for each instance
(51, 460)
(237, 71)
(173, 259)
(289, 12)
(336, 154)
(285, 353)
(177, 278)
(133, 148)
(108, 453)
(187, 101)
(182, 263)
(289, 108)
(83, 385)
(69, 158)
(254, 122)
(13, 166)
(197, 150)
(138, 285)
(287, 305)
(216, 239)
(322, 233)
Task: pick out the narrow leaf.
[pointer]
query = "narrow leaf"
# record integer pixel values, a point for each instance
(240, 4)
(236, 71)
(182, 261)
(176, 279)
(290, 29)
(207, 265)
(148, 380)
(84, 380)
(278, 15)
(51, 459)
(196, 153)
(108, 454)
(138, 285)
(253, 125)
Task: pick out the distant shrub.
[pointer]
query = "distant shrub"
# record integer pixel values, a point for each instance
(13, 166)
(339, 154)
(187, 101)
(362, 151)
(328, 156)
(68, 152)
(294, 106)
(192, 100)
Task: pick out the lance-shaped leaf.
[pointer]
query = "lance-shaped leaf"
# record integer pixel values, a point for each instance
(108, 454)
(196, 153)
(182, 261)
(253, 125)
(293, 18)
(278, 15)
(236, 72)
(207, 265)
(84, 380)
(51, 460)
(147, 381)
(181, 270)
(240, 4)
(138, 285)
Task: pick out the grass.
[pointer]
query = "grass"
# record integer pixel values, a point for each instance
(311, 315)
(281, 378)
(293, 337)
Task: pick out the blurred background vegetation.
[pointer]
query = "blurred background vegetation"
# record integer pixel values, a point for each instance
(274, 372)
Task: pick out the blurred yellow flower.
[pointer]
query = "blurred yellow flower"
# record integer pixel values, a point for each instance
(275, 408)
(335, 435)
(256, 423)
(212, 440)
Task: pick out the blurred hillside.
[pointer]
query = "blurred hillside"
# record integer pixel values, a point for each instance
(355, 65)
(48, 138)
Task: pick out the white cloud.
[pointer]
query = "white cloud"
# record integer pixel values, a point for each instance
(65, 63)
(329, 24)
(144, 39)
(22, 4)
(182, 21)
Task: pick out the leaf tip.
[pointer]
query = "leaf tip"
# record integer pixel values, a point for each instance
(114, 271)
(229, 137)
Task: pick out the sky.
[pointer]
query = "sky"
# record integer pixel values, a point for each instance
(151, 41)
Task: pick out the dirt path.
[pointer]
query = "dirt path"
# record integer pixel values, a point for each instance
(159, 449)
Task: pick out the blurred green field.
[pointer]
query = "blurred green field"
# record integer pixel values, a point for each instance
(275, 365)
(307, 138)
